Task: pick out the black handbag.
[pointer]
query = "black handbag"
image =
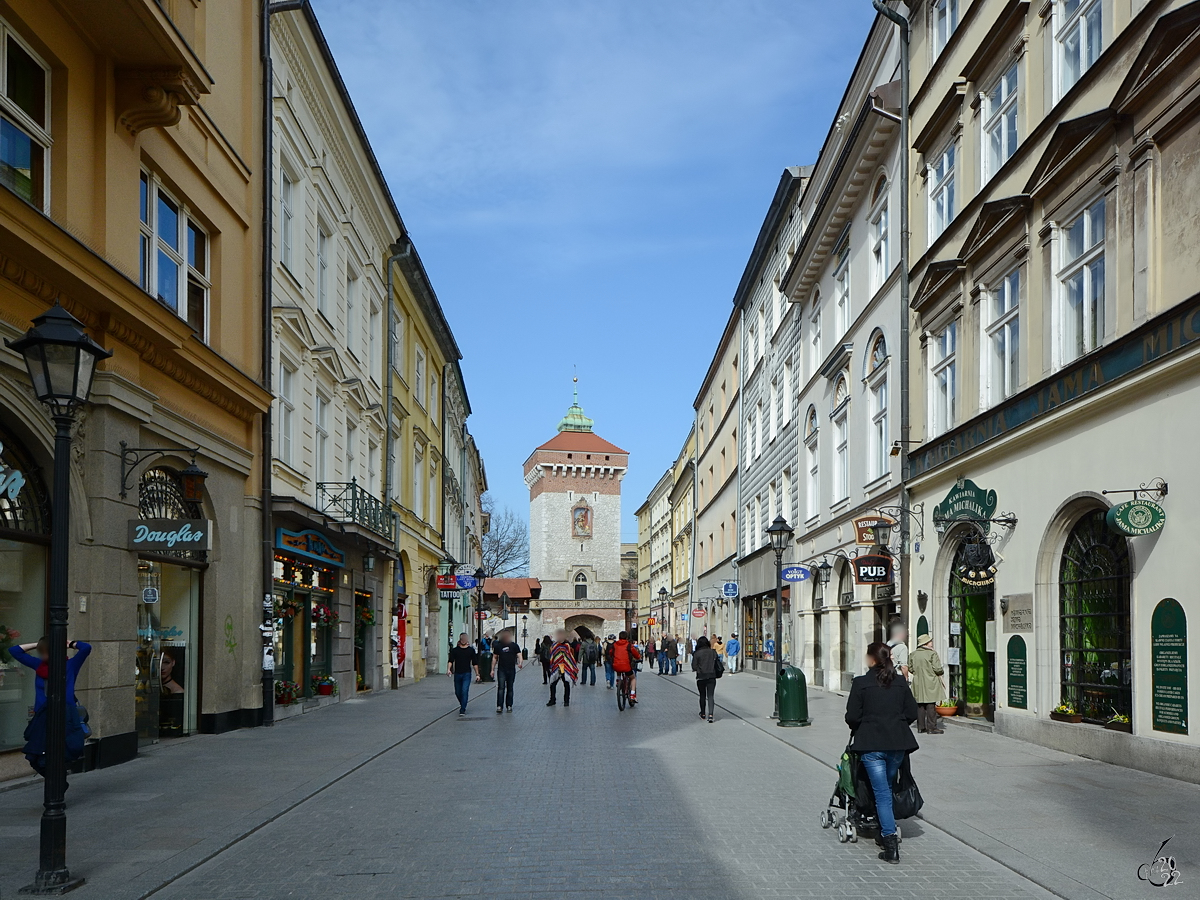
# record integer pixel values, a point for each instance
(906, 796)
(718, 667)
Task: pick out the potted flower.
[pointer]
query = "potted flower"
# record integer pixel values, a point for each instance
(324, 685)
(364, 616)
(1119, 722)
(360, 683)
(325, 615)
(286, 692)
(286, 609)
(1065, 712)
(947, 707)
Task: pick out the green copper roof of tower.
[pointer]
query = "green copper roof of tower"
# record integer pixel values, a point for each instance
(575, 420)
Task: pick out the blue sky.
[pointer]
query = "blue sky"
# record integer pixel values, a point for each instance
(584, 180)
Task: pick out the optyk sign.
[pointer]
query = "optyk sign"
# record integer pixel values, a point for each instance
(170, 534)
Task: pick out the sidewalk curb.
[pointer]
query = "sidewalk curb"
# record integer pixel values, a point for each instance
(1012, 859)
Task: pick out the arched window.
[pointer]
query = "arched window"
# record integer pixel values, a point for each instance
(880, 191)
(160, 496)
(810, 422)
(877, 397)
(581, 586)
(841, 392)
(24, 501)
(1094, 632)
(878, 352)
(841, 440)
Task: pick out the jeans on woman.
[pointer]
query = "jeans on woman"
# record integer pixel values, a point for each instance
(882, 766)
(706, 687)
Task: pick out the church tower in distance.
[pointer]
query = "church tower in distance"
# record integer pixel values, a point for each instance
(574, 482)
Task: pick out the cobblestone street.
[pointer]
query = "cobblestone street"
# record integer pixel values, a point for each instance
(545, 802)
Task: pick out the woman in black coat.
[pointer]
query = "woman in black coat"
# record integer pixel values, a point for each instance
(880, 711)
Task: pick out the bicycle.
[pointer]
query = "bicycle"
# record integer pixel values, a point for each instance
(623, 697)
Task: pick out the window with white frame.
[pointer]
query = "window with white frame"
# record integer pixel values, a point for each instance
(1081, 280)
(434, 397)
(373, 342)
(372, 468)
(419, 380)
(1080, 38)
(787, 392)
(351, 451)
(434, 505)
(753, 342)
(944, 20)
(323, 247)
(24, 120)
(943, 377)
(841, 288)
(877, 384)
(353, 326)
(287, 206)
(881, 261)
(174, 255)
(785, 495)
(814, 337)
(762, 332)
(398, 342)
(746, 546)
(418, 484)
(758, 523)
(287, 411)
(773, 415)
(1001, 374)
(941, 191)
(321, 415)
(812, 494)
(1000, 122)
(781, 299)
(771, 492)
(841, 440)
(758, 428)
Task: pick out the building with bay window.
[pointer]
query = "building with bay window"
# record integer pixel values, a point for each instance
(1054, 368)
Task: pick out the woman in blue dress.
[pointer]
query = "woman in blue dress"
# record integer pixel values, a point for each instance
(35, 732)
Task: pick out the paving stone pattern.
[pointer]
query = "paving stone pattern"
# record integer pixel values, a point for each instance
(584, 802)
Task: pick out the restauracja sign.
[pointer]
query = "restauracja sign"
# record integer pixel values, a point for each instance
(170, 534)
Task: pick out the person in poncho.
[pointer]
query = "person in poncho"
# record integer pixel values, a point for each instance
(563, 667)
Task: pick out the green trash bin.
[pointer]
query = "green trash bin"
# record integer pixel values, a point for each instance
(792, 692)
(485, 666)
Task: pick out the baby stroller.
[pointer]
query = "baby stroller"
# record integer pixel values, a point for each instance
(852, 806)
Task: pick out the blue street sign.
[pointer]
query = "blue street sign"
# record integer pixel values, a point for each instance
(683, 616)
(794, 574)
(729, 589)
(466, 582)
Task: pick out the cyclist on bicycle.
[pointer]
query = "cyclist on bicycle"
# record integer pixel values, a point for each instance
(624, 657)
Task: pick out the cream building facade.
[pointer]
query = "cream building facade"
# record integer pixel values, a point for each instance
(1055, 367)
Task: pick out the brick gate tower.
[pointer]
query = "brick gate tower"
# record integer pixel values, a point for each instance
(574, 482)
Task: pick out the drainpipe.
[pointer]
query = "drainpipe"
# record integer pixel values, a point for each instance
(901, 21)
(400, 250)
(737, 538)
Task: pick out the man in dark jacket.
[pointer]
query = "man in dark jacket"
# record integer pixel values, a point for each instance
(880, 712)
(673, 654)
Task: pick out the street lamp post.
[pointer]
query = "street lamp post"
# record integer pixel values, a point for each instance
(61, 360)
(662, 608)
(781, 534)
(480, 577)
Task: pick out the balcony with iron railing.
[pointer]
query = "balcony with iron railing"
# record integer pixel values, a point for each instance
(349, 503)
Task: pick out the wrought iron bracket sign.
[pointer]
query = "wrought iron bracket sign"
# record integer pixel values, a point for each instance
(872, 569)
(1141, 515)
(968, 502)
(900, 515)
(133, 457)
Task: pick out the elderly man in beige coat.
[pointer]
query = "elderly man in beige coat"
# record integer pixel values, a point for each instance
(927, 687)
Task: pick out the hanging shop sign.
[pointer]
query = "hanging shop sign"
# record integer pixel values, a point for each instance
(795, 574)
(872, 569)
(447, 582)
(170, 534)
(729, 589)
(966, 500)
(1136, 518)
(1168, 667)
(697, 613)
(311, 544)
(864, 529)
(979, 564)
(466, 582)
(1018, 673)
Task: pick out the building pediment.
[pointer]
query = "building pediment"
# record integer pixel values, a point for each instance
(294, 320)
(327, 361)
(1072, 141)
(995, 220)
(940, 276)
(1169, 50)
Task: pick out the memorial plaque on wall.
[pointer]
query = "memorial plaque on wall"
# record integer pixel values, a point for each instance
(1018, 673)
(1168, 667)
(1018, 618)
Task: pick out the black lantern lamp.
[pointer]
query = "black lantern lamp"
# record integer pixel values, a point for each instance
(781, 534)
(61, 360)
(883, 532)
(822, 572)
(192, 481)
(480, 576)
(369, 561)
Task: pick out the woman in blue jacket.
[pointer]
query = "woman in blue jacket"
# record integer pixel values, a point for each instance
(35, 732)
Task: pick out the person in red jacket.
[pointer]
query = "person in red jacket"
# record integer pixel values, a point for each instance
(624, 656)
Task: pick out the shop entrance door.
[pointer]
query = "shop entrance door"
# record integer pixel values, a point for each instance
(147, 688)
(972, 676)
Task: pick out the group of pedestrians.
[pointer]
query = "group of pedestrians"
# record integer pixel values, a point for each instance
(463, 667)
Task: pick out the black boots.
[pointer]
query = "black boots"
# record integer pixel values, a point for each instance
(891, 848)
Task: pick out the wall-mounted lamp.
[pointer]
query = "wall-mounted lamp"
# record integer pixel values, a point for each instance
(369, 561)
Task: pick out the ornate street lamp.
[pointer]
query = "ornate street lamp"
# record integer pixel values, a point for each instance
(822, 572)
(61, 360)
(480, 577)
(781, 534)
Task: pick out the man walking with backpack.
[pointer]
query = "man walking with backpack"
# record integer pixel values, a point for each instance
(589, 658)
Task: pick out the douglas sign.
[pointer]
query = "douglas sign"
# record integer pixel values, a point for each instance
(170, 534)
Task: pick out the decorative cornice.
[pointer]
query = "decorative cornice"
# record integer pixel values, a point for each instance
(148, 98)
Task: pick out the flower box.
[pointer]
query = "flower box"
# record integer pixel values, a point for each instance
(1074, 719)
(1127, 727)
(325, 690)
